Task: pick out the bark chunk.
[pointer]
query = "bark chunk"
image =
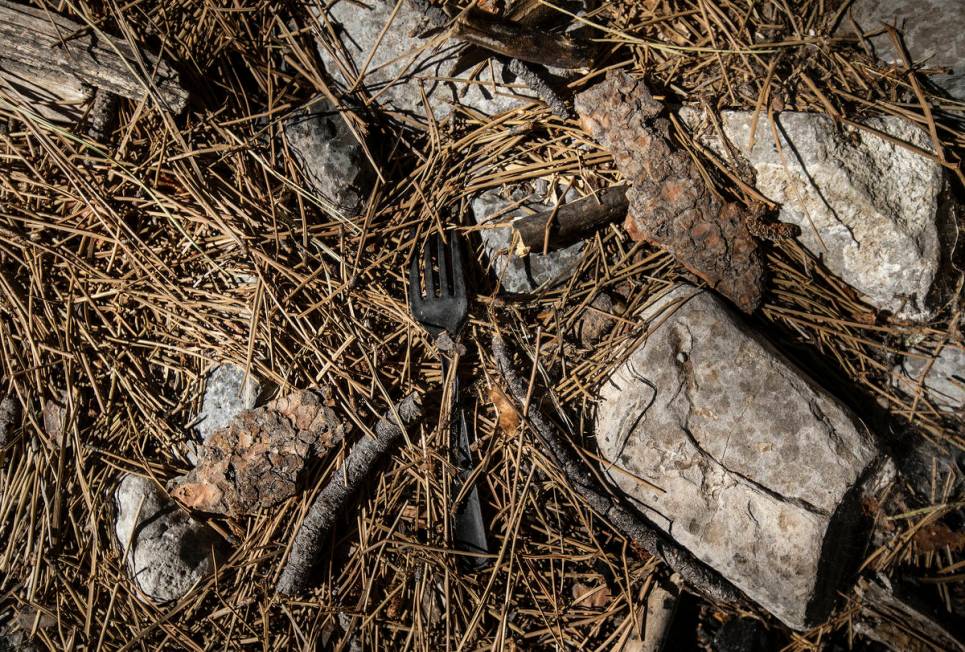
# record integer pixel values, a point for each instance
(255, 461)
(670, 205)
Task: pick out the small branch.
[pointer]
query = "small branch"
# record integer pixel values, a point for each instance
(538, 84)
(515, 40)
(332, 501)
(568, 222)
(630, 524)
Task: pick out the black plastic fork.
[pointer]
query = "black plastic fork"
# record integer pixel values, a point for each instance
(444, 306)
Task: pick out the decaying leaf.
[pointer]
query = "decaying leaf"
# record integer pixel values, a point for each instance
(505, 410)
(254, 462)
(670, 204)
(592, 596)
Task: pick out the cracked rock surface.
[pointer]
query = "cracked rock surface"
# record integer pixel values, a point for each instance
(759, 470)
(254, 462)
(332, 160)
(403, 64)
(521, 274)
(872, 211)
(167, 551)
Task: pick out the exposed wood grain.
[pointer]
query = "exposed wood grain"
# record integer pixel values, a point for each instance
(41, 50)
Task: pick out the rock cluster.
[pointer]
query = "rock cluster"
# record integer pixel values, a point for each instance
(738, 456)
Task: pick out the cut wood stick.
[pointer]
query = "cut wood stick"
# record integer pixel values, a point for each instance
(59, 52)
(518, 41)
(630, 524)
(562, 226)
(333, 500)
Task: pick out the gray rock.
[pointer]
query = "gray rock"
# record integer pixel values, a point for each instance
(520, 274)
(871, 210)
(226, 393)
(9, 415)
(403, 64)
(332, 160)
(933, 30)
(943, 378)
(167, 551)
(759, 471)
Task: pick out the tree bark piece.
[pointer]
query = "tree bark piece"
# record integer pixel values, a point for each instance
(346, 482)
(46, 55)
(567, 223)
(630, 524)
(670, 204)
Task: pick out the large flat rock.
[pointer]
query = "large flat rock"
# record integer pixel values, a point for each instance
(380, 44)
(759, 469)
(871, 210)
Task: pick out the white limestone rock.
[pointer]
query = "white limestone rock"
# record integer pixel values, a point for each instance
(759, 470)
(520, 274)
(226, 393)
(403, 64)
(874, 212)
(331, 158)
(167, 551)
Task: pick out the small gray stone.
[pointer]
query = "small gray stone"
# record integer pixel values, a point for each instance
(402, 64)
(520, 274)
(167, 551)
(871, 210)
(9, 415)
(933, 31)
(944, 378)
(332, 160)
(226, 393)
(759, 471)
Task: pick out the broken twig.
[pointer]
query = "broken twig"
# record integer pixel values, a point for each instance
(562, 226)
(518, 41)
(331, 502)
(633, 526)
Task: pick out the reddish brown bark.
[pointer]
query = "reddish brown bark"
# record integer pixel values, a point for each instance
(670, 204)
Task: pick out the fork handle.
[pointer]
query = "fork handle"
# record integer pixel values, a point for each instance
(469, 530)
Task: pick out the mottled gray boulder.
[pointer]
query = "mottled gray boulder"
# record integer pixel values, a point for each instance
(527, 273)
(332, 159)
(756, 469)
(167, 551)
(226, 393)
(404, 64)
(933, 31)
(942, 378)
(872, 211)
